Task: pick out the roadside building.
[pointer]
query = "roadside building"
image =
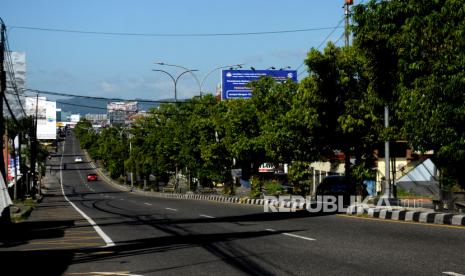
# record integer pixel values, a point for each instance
(118, 113)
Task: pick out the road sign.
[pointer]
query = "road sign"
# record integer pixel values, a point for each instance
(234, 82)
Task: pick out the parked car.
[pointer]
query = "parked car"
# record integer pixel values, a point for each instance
(92, 177)
(338, 185)
(78, 159)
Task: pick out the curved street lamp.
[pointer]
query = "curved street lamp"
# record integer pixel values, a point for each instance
(175, 80)
(235, 66)
(187, 69)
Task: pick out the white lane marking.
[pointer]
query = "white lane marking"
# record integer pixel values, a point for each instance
(116, 273)
(292, 235)
(299, 237)
(97, 228)
(453, 273)
(121, 199)
(147, 204)
(206, 216)
(171, 209)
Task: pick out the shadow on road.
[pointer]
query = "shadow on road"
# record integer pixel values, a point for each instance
(56, 262)
(21, 233)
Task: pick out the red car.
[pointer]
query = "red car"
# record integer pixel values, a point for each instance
(92, 177)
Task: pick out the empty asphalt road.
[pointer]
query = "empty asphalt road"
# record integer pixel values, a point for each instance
(148, 235)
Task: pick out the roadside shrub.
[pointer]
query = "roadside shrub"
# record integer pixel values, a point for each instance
(273, 188)
(255, 187)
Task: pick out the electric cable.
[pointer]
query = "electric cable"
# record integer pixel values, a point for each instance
(321, 44)
(171, 34)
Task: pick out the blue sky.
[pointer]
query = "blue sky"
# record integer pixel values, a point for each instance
(120, 66)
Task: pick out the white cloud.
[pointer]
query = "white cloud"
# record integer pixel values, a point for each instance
(148, 87)
(108, 87)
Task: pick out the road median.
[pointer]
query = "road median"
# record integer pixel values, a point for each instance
(420, 215)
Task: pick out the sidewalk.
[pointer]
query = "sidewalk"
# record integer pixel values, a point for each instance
(53, 225)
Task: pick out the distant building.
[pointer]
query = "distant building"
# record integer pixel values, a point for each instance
(65, 116)
(74, 118)
(45, 113)
(96, 118)
(59, 115)
(119, 113)
(16, 77)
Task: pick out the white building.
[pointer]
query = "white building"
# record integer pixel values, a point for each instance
(15, 78)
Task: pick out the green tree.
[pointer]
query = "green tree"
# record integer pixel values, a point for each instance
(112, 151)
(416, 52)
(241, 135)
(338, 107)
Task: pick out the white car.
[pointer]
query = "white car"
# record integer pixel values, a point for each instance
(78, 159)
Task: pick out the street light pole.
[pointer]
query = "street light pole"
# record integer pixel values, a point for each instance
(185, 68)
(130, 150)
(175, 80)
(213, 70)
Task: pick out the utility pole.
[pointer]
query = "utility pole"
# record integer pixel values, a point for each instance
(2, 93)
(5, 214)
(347, 3)
(347, 15)
(387, 193)
(132, 170)
(34, 148)
(15, 192)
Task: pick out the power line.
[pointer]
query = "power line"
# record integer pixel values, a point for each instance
(10, 111)
(72, 104)
(39, 92)
(339, 39)
(151, 112)
(13, 77)
(171, 34)
(93, 97)
(322, 43)
(11, 72)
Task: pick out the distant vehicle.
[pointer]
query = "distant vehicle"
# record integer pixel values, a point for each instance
(338, 185)
(92, 177)
(78, 159)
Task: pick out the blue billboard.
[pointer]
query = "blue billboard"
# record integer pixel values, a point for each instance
(234, 82)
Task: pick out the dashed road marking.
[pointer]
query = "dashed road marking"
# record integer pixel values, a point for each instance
(453, 273)
(115, 273)
(147, 204)
(171, 209)
(206, 216)
(292, 235)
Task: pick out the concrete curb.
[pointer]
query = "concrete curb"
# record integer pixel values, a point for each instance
(407, 215)
(229, 199)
